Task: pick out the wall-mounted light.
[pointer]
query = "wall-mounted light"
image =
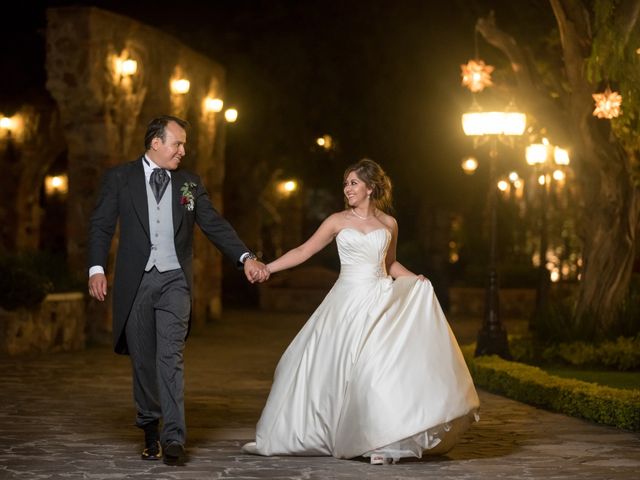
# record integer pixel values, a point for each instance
(231, 115)
(128, 67)
(56, 184)
(180, 86)
(287, 187)
(6, 123)
(123, 66)
(213, 105)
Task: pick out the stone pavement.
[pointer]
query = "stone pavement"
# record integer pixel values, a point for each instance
(70, 416)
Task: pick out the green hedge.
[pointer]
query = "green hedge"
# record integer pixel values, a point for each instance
(620, 354)
(611, 406)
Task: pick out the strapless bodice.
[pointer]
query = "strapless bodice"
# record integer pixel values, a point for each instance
(362, 255)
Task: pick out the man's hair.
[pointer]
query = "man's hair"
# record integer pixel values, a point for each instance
(156, 128)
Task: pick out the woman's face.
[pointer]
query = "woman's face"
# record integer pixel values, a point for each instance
(355, 190)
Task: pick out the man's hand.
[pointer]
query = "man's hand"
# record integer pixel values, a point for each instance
(256, 271)
(98, 286)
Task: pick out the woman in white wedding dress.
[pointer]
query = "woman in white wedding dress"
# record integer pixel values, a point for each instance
(376, 370)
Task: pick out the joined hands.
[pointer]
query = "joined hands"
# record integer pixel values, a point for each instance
(256, 271)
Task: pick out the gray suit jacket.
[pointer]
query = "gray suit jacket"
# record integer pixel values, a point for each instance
(123, 197)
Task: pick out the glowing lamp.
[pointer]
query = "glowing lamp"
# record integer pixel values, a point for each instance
(180, 86)
(558, 175)
(56, 184)
(493, 123)
(476, 75)
(213, 104)
(536, 153)
(287, 187)
(607, 104)
(469, 165)
(561, 156)
(231, 115)
(6, 123)
(126, 68)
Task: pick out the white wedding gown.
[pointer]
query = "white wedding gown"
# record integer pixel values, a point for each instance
(376, 368)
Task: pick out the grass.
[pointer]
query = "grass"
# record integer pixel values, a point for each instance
(615, 379)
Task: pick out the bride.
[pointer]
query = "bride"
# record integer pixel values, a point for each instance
(376, 370)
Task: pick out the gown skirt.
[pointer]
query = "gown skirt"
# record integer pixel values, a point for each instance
(375, 369)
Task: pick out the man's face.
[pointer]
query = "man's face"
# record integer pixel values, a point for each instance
(168, 154)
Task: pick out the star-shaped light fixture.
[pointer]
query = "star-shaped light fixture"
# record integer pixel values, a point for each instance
(607, 104)
(476, 75)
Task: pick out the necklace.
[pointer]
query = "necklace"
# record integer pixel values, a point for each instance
(359, 216)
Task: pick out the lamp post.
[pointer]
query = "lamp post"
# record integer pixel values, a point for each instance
(493, 126)
(539, 156)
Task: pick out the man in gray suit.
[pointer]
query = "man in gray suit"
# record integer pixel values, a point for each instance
(157, 205)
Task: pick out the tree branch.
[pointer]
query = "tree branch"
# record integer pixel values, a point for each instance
(575, 36)
(627, 18)
(535, 101)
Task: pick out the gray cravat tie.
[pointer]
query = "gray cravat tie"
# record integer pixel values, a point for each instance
(159, 180)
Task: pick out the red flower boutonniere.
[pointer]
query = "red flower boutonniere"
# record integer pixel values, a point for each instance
(187, 195)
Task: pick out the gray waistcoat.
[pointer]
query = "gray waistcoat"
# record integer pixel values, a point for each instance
(163, 249)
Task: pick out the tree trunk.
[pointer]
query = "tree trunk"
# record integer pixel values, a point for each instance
(609, 201)
(609, 228)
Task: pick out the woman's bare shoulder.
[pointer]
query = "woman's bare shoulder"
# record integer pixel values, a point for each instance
(336, 220)
(388, 221)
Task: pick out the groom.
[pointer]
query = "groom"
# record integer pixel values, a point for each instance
(157, 205)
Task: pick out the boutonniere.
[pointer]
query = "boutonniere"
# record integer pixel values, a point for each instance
(187, 195)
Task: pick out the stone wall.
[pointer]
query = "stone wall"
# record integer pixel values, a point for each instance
(57, 325)
(104, 114)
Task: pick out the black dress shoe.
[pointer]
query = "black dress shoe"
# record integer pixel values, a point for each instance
(152, 452)
(173, 453)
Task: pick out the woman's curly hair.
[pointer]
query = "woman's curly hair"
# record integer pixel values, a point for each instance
(376, 179)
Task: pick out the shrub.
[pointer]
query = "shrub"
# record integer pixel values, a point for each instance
(620, 354)
(21, 285)
(611, 406)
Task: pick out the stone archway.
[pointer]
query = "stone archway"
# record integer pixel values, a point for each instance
(27, 150)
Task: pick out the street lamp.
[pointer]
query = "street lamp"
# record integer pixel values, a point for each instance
(539, 156)
(493, 126)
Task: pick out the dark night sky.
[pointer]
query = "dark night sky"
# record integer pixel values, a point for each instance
(382, 77)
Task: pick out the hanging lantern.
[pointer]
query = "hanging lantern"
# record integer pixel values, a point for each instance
(476, 75)
(607, 104)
